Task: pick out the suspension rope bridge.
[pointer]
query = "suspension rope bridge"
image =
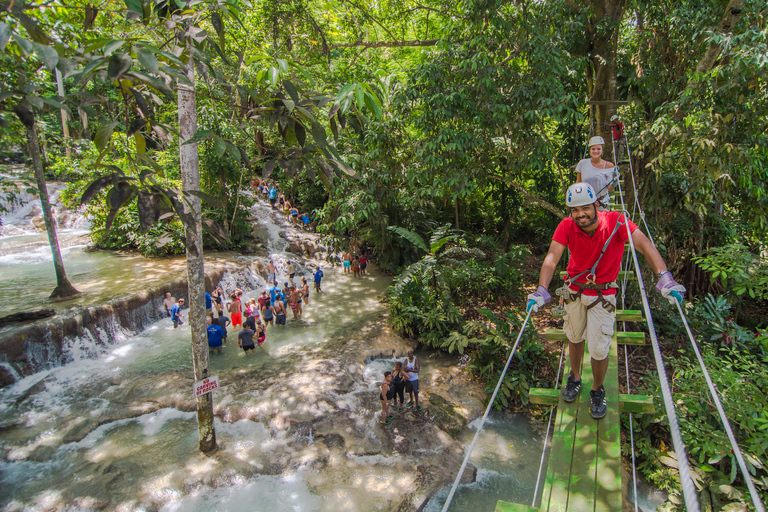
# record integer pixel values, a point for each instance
(584, 466)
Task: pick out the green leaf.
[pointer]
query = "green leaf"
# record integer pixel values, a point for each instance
(48, 55)
(24, 45)
(135, 6)
(219, 146)
(283, 65)
(104, 135)
(141, 143)
(119, 64)
(156, 84)
(274, 74)
(344, 166)
(301, 133)
(360, 95)
(35, 101)
(147, 60)
(56, 104)
(218, 26)
(5, 35)
(111, 46)
(412, 237)
(200, 136)
(292, 92)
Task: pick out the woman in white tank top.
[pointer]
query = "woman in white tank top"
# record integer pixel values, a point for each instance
(597, 172)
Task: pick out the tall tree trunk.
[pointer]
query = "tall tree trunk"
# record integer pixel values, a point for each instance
(603, 28)
(64, 116)
(63, 287)
(190, 181)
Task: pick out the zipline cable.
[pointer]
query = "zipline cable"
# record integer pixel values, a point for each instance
(549, 425)
(726, 424)
(689, 490)
(485, 416)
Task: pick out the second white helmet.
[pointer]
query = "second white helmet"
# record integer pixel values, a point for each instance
(594, 141)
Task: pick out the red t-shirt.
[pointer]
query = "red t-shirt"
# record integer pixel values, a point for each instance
(586, 249)
(618, 130)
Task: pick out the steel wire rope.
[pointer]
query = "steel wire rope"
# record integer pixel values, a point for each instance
(549, 426)
(689, 490)
(726, 424)
(485, 416)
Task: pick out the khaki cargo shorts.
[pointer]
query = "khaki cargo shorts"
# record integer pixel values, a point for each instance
(595, 325)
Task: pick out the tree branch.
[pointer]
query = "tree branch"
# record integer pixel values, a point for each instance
(530, 198)
(386, 44)
(729, 19)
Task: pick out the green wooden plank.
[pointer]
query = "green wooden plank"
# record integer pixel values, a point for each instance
(555, 335)
(608, 477)
(544, 396)
(555, 495)
(503, 506)
(581, 497)
(625, 338)
(630, 275)
(631, 338)
(636, 404)
(629, 315)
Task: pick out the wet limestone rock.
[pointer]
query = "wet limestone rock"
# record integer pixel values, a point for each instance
(445, 414)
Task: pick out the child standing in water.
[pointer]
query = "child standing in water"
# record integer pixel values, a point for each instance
(355, 266)
(386, 394)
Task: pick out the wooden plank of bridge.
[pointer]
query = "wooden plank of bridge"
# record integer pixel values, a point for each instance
(505, 506)
(608, 478)
(555, 494)
(581, 495)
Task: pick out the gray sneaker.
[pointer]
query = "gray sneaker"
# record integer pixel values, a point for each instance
(598, 405)
(572, 387)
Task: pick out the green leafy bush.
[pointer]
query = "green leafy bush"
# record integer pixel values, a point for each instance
(737, 270)
(741, 381)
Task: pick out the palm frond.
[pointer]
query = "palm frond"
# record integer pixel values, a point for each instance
(412, 237)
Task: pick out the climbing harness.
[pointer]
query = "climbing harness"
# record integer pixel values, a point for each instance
(569, 295)
(485, 416)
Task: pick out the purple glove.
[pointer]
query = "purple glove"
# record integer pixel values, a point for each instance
(669, 288)
(538, 299)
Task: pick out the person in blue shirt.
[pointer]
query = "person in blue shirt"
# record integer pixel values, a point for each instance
(216, 337)
(272, 196)
(176, 313)
(318, 277)
(208, 305)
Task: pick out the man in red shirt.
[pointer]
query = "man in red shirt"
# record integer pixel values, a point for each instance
(618, 138)
(596, 241)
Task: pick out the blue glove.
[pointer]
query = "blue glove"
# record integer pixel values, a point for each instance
(538, 299)
(670, 289)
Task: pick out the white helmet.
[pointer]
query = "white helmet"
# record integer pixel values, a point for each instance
(594, 141)
(614, 117)
(580, 194)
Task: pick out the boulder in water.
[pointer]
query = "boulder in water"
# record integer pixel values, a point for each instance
(27, 315)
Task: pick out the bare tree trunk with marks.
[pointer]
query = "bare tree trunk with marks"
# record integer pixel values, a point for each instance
(190, 181)
(63, 287)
